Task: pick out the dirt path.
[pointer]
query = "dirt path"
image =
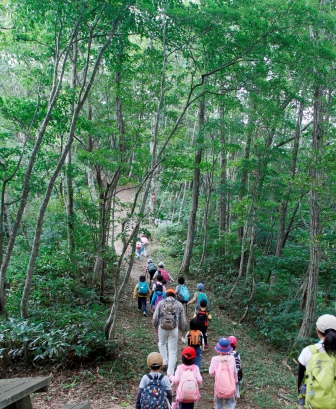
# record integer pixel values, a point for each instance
(88, 384)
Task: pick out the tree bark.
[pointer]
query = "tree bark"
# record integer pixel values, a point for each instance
(195, 192)
(26, 183)
(68, 161)
(210, 178)
(83, 95)
(314, 214)
(222, 188)
(284, 203)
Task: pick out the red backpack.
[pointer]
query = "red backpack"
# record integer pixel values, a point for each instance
(165, 275)
(202, 317)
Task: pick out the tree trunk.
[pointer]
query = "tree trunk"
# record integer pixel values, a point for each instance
(70, 207)
(25, 194)
(182, 202)
(210, 178)
(68, 161)
(222, 188)
(314, 214)
(284, 204)
(195, 193)
(83, 95)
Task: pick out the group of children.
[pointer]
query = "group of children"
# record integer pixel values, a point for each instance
(155, 290)
(155, 389)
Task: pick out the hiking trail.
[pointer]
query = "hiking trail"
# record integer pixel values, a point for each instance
(85, 383)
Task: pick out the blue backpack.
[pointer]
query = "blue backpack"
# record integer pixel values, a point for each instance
(154, 395)
(183, 295)
(143, 288)
(200, 297)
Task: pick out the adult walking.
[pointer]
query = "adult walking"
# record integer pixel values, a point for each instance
(317, 363)
(168, 317)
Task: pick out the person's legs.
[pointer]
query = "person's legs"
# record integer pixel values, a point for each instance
(204, 330)
(151, 275)
(163, 339)
(237, 391)
(144, 305)
(139, 303)
(230, 403)
(172, 350)
(198, 357)
(219, 403)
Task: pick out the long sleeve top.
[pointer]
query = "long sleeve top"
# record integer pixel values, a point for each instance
(181, 318)
(136, 290)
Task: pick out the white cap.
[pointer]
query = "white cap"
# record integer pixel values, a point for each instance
(326, 321)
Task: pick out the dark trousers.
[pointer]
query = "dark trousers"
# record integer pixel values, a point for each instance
(142, 301)
(151, 275)
(204, 331)
(183, 405)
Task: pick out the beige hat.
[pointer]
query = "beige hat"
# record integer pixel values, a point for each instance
(154, 359)
(325, 322)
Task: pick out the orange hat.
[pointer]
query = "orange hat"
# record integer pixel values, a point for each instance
(171, 291)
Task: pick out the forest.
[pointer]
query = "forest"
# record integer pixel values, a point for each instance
(217, 115)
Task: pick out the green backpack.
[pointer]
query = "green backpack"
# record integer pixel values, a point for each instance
(320, 380)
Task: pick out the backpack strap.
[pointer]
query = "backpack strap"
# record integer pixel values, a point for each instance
(150, 376)
(313, 349)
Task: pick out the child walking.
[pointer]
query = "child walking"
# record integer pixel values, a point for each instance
(141, 291)
(182, 292)
(203, 316)
(188, 378)
(150, 270)
(198, 297)
(138, 249)
(154, 381)
(195, 339)
(223, 367)
(236, 355)
(157, 296)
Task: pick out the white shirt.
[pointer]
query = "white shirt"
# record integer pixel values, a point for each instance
(306, 354)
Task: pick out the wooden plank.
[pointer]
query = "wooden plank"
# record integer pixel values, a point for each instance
(81, 405)
(18, 389)
(24, 403)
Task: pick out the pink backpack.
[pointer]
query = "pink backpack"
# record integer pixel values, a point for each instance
(158, 298)
(225, 385)
(165, 275)
(187, 390)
